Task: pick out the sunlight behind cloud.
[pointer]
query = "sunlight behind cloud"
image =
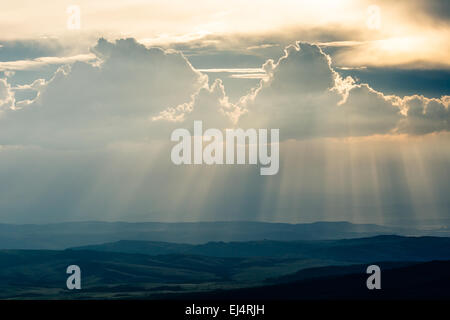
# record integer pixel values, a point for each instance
(400, 39)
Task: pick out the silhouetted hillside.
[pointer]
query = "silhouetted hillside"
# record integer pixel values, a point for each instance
(429, 280)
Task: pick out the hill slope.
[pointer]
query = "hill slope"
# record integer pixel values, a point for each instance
(429, 280)
(379, 248)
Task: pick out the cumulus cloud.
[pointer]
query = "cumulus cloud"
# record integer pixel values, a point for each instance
(6, 95)
(305, 97)
(209, 104)
(135, 93)
(425, 115)
(28, 92)
(115, 99)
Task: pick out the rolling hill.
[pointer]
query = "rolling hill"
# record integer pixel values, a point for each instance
(378, 248)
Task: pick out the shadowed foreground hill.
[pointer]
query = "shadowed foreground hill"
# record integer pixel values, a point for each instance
(41, 274)
(429, 280)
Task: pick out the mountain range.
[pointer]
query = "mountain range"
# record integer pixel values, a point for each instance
(59, 236)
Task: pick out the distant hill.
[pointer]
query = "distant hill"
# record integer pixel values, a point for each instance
(71, 234)
(378, 248)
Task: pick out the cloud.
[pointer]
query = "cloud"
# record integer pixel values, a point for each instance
(24, 95)
(402, 82)
(95, 104)
(238, 73)
(42, 61)
(209, 104)
(437, 9)
(233, 70)
(135, 93)
(425, 115)
(100, 143)
(31, 49)
(6, 96)
(305, 97)
(423, 11)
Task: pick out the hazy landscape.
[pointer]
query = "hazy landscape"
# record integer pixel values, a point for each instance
(207, 261)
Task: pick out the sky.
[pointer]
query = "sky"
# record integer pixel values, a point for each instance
(91, 91)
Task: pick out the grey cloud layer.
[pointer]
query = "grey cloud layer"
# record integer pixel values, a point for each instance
(138, 93)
